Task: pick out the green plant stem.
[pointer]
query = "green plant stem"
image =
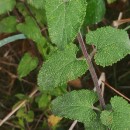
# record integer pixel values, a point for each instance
(92, 70)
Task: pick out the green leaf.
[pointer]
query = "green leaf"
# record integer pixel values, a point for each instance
(95, 11)
(11, 39)
(39, 4)
(64, 18)
(43, 100)
(76, 105)
(95, 125)
(26, 65)
(8, 25)
(119, 117)
(61, 67)
(112, 45)
(32, 31)
(6, 5)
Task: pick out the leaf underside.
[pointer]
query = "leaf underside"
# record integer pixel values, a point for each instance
(76, 105)
(112, 45)
(65, 18)
(60, 68)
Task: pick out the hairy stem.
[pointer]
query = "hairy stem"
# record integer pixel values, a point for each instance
(92, 70)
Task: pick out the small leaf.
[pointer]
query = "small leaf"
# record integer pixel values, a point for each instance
(26, 65)
(76, 105)
(11, 39)
(6, 5)
(39, 4)
(64, 18)
(43, 100)
(53, 120)
(95, 11)
(112, 45)
(61, 67)
(32, 31)
(119, 117)
(8, 25)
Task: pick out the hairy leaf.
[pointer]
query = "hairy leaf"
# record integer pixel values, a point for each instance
(95, 125)
(8, 25)
(112, 45)
(76, 105)
(65, 18)
(61, 67)
(119, 117)
(11, 39)
(27, 64)
(39, 4)
(95, 11)
(6, 5)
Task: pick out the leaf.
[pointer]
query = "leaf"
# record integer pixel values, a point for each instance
(95, 11)
(61, 67)
(11, 39)
(32, 31)
(76, 105)
(119, 117)
(39, 4)
(64, 18)
(112, 45)
(26, 65)
(96, 124)
(53, 120)
(8, 25)
(6, 5)
(43, 100)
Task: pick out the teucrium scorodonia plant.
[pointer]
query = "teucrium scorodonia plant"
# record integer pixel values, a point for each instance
(65, 18)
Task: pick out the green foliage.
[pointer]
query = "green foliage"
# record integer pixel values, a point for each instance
(95, 125)
(95, 11)
(43, 100)
(8, 25)
(60, 68)
(6, 5)
(11, 39)
(118, 117)
(112, 45)
(76, 105)
(64, 18)
(26, 65)
(39, 4)
(24, 116)
(32, 31)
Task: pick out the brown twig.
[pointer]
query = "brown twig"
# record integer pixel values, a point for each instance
(92, 70)
(116, 91)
